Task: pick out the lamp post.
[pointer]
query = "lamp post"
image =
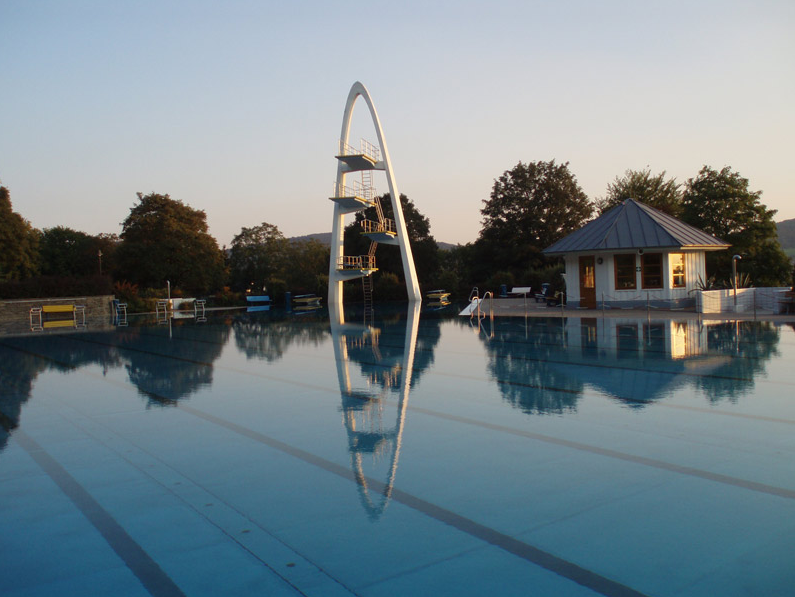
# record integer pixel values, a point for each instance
(734, 278)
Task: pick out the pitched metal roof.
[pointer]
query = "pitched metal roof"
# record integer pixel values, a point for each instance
(633, 225)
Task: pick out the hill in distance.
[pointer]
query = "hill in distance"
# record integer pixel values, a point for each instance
(325, 238)
(786, 233)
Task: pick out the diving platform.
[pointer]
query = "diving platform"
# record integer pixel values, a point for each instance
(356, 266)
(355, 198)
(380, 232)
(366, 157)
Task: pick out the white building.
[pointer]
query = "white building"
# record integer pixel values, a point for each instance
(634, 255)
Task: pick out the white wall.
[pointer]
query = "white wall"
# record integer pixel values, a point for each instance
(605, 279)
(748, 300)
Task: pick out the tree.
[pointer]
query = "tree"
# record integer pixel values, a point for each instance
(423, 245)
(308, 272)
(164, 239)
(67, 252)
(721, 204)
(531, 206)
(665, 195)
(256, 255)
(19, 250)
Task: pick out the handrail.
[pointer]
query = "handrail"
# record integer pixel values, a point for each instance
(487, 295)
(356, 262)
(358, 190)
(366, 148)
(371, 226)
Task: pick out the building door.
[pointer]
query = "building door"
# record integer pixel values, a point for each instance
(587, 282)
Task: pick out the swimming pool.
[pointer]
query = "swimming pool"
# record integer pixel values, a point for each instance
(421, 454)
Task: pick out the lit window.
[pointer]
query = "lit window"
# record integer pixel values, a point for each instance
(651, 270)
(625, 271)
(678, 269)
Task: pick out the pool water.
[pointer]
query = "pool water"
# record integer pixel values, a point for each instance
(410, 453)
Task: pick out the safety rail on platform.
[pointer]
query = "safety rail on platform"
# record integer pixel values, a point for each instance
(356, 262)
(365, 148)
(357, 189)
(372, 226)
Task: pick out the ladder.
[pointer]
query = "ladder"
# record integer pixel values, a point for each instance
(367, 287)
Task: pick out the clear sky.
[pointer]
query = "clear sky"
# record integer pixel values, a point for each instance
(235, 107)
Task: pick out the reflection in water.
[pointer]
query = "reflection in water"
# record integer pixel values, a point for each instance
(383, 371)
(751, 345)
(166, 368)
(21, 365)
(518, 363)
(268, 340)
(544, 366)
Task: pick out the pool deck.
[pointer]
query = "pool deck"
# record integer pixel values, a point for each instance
(517, 307)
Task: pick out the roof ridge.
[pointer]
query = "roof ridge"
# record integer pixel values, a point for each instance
(622, 205)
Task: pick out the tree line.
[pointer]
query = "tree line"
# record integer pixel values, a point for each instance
(531, 206)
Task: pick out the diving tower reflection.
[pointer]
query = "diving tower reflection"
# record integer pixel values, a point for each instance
(382, 372)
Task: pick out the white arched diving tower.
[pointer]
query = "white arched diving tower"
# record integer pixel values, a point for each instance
(348, 200)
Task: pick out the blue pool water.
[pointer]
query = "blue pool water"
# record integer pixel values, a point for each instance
(421, 454)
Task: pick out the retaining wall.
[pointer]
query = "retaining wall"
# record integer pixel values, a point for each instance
(15, 314)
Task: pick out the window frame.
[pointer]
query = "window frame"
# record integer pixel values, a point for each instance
(683, 275)
(633, 269)
(646, 273)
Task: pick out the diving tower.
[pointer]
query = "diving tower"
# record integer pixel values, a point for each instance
(359, 195)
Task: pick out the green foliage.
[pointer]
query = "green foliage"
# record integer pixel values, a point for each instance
(256, 255)
(721, 204)
(494, 282)
(531, 207)
(388, 287)
(126, 292)
(164, 239)
(654, 191)
(307, 267)
(705, 284)
(423, 246)
(262, 258)
(56, 286)
(19, 250)
(550, 274)
(67, 252)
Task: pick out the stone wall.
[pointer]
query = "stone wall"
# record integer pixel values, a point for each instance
(15, 314)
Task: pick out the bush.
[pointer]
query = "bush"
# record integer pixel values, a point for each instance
(388, 287)
(534, 277)
(496, 280)
(226, 298)
(56, 286)
(276, 289)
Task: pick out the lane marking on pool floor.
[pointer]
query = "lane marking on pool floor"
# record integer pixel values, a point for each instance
(659, 464)
(294, 568)
(534, 555)
(526, 551)
(140, 563)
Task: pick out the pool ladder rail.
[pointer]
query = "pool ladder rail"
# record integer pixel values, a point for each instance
(475, 311)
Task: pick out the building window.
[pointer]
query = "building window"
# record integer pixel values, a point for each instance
(625, 271)
(678, 269)
(651, 270)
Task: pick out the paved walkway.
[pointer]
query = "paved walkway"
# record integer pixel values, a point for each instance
(515, 307)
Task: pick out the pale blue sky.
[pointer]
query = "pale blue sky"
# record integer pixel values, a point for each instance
(235, 107)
